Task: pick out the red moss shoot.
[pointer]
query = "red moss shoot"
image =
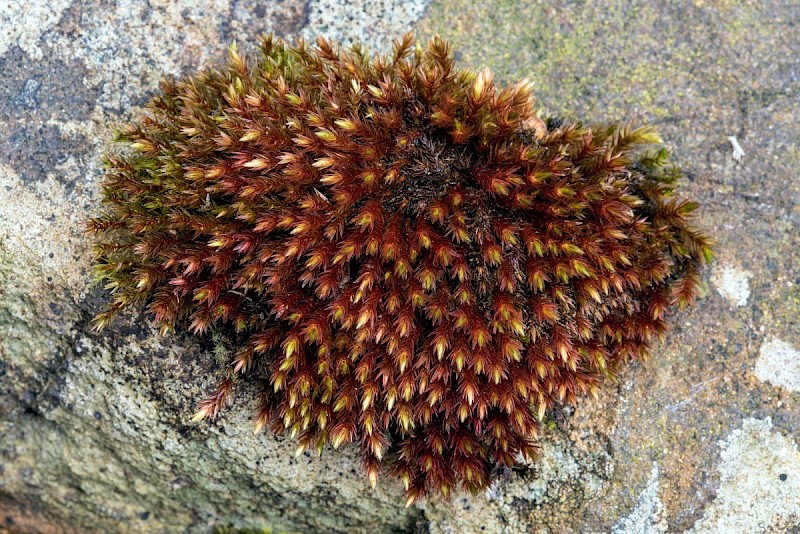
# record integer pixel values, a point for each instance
(405, 256)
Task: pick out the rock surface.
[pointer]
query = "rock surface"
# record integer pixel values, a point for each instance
(94, 429)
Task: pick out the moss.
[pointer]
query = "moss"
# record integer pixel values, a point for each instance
(399, 252)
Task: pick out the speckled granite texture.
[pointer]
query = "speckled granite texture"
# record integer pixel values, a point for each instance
(94, 429)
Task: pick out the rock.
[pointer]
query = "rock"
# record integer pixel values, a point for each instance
(95, 431)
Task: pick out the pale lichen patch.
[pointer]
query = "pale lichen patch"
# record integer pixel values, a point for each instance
(759, 483)
(779, 364)
(23, 23)
(732, 282)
